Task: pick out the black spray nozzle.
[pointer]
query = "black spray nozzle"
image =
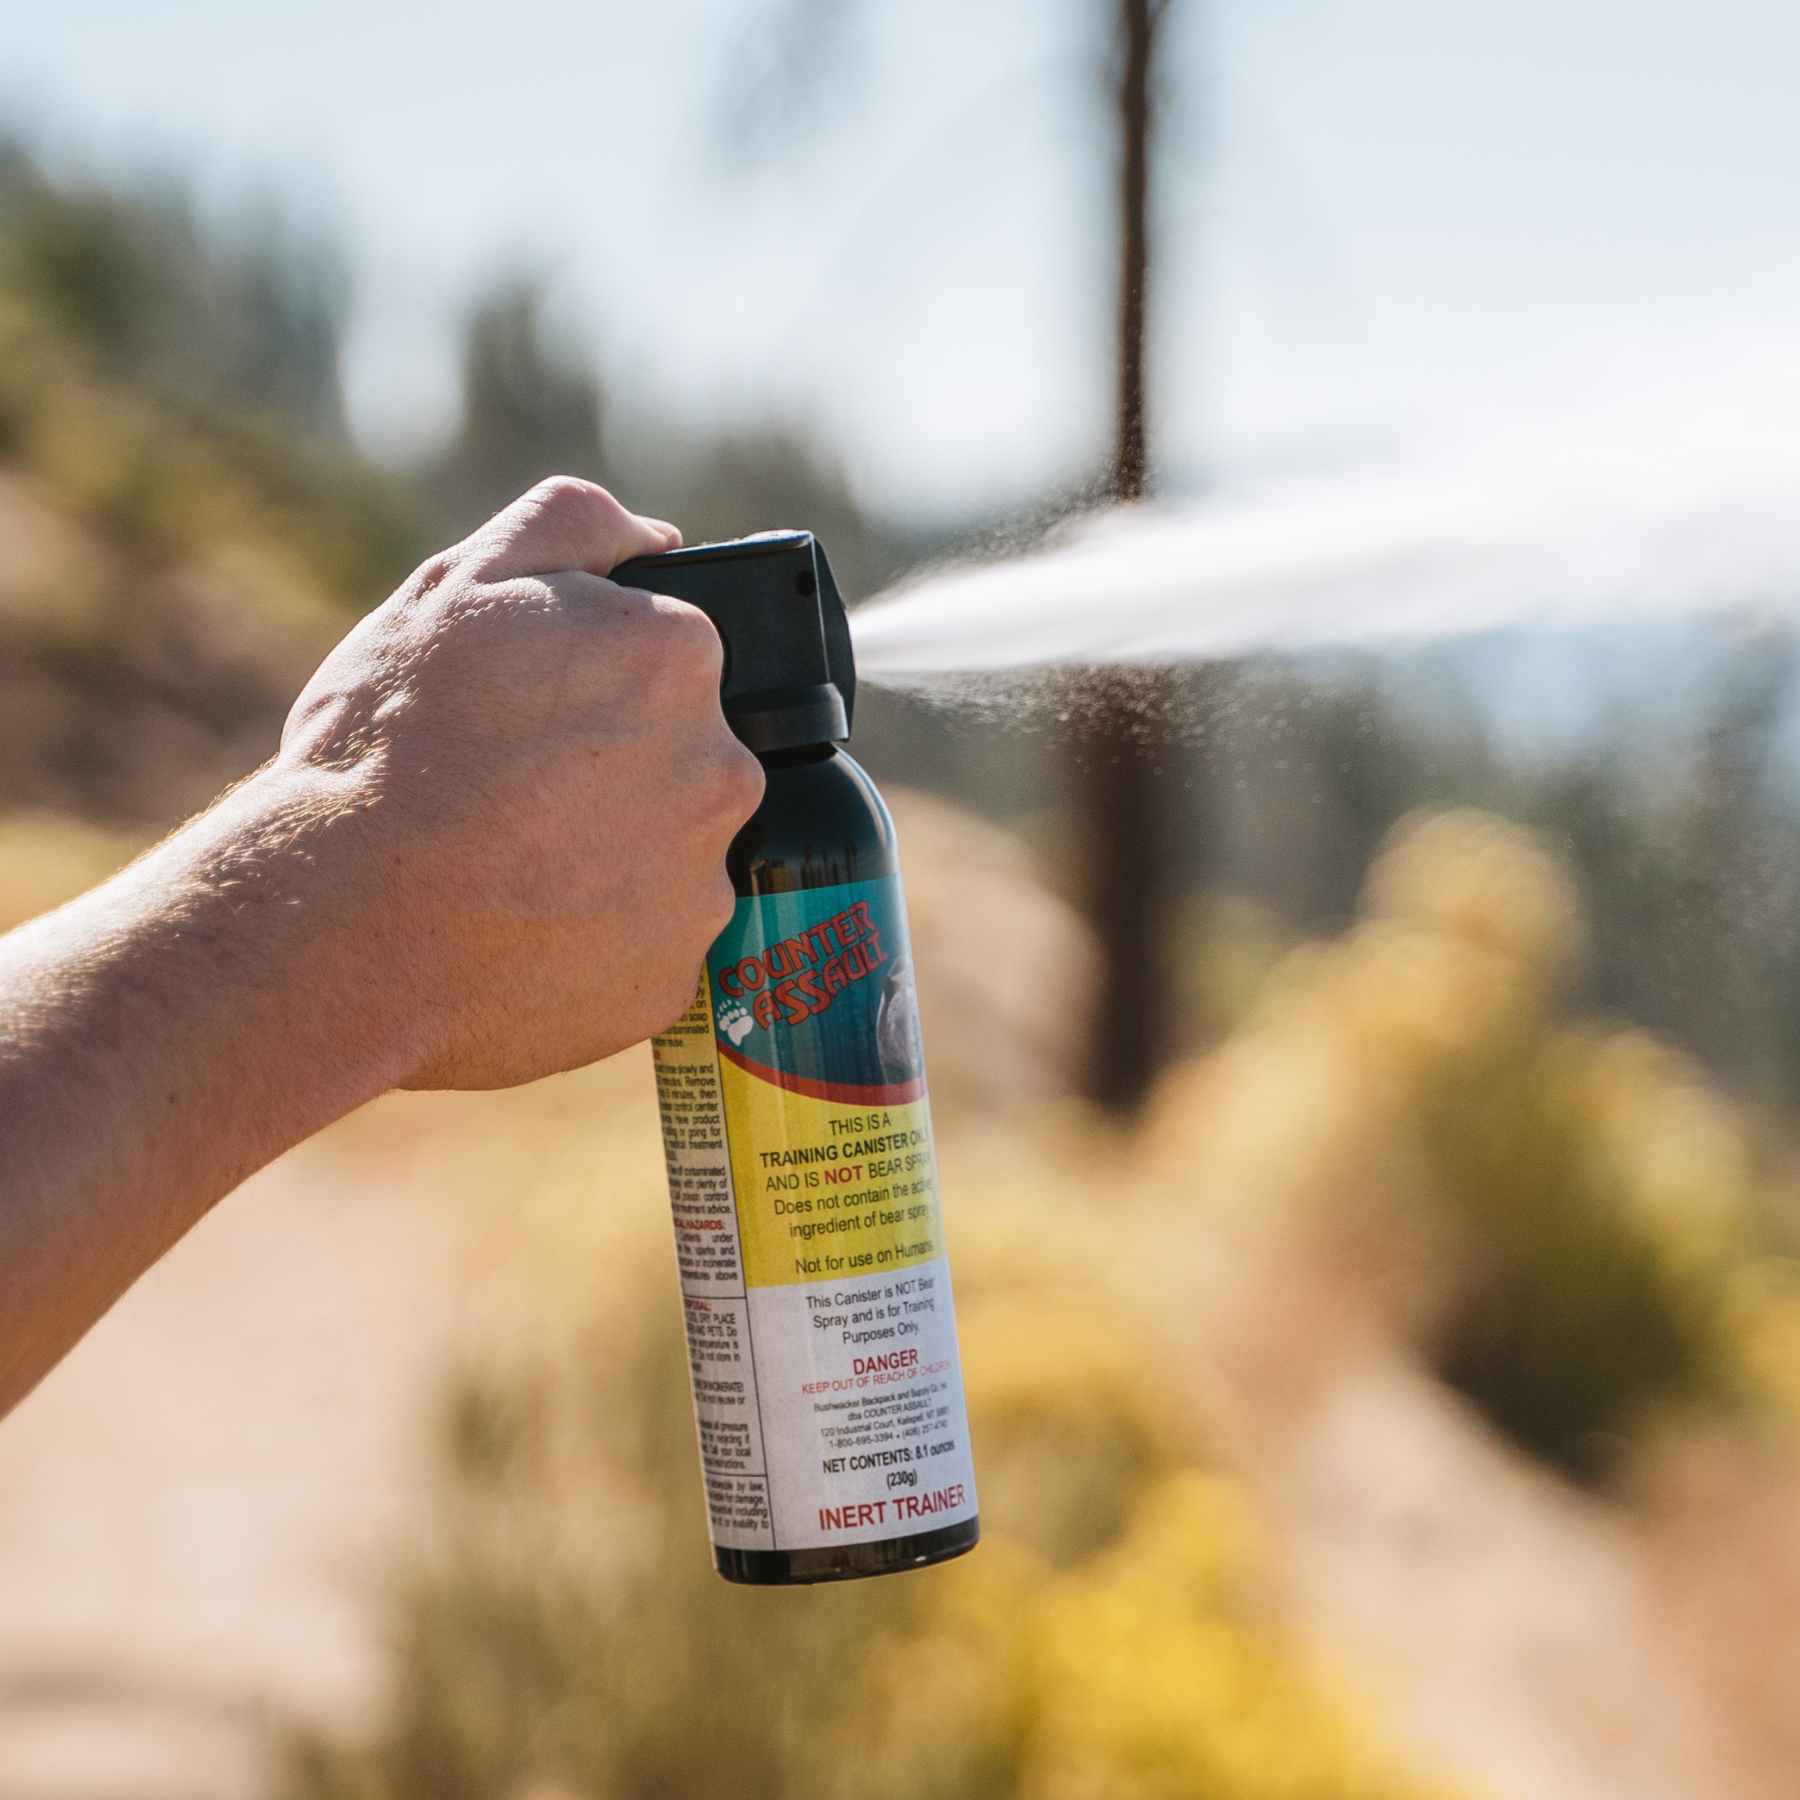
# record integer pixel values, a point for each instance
(789, 676)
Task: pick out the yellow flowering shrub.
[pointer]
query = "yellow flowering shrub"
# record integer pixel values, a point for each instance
(1599, 1196)
(1117, 1632)
(1157, 1669)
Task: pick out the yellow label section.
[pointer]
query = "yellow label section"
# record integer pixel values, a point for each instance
(828, 1191)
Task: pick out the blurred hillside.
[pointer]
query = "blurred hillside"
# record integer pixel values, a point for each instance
(175, 554)
(188, 525)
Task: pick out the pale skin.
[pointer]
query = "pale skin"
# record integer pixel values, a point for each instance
(491, 847)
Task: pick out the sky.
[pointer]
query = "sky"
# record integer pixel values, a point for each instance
(1384, 227)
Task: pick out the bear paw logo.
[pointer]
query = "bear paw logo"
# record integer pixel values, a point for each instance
(736, 1023)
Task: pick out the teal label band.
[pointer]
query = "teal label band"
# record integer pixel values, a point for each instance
(813, 991)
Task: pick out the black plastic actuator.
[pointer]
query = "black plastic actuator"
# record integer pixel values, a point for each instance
(789, 678)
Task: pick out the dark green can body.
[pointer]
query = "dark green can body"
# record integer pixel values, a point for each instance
(821, 1328)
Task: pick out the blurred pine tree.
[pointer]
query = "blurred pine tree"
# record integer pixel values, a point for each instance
(531, 407)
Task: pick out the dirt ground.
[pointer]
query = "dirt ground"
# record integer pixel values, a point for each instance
(187, 1504)
(1538, 1641)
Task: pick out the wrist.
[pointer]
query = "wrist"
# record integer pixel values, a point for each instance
(224, 988)
(276, 899)
(163, 1037)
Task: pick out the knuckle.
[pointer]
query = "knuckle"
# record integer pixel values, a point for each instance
(559, 494)
(743, 782)
(722, 903)
(693, 639)
(430, 575)
(571, 507)
(728, 788)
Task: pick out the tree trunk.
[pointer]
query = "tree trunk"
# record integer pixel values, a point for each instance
(1125, 800)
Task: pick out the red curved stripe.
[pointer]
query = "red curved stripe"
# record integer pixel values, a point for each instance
(897, 1093)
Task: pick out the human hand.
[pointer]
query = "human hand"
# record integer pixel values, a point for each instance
(538, 787)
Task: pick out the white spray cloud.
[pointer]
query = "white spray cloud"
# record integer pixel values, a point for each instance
(1660, 503)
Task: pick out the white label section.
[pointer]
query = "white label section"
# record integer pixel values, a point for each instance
(867, 1436)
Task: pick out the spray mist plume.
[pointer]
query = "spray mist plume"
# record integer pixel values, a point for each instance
(1676, 503)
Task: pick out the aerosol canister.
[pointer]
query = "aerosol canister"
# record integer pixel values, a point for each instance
(828, 1396)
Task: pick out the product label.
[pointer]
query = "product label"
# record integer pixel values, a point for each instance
(827, 1391)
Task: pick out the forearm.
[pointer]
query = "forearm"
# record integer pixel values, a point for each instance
(169, 1033)
(492, 846)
